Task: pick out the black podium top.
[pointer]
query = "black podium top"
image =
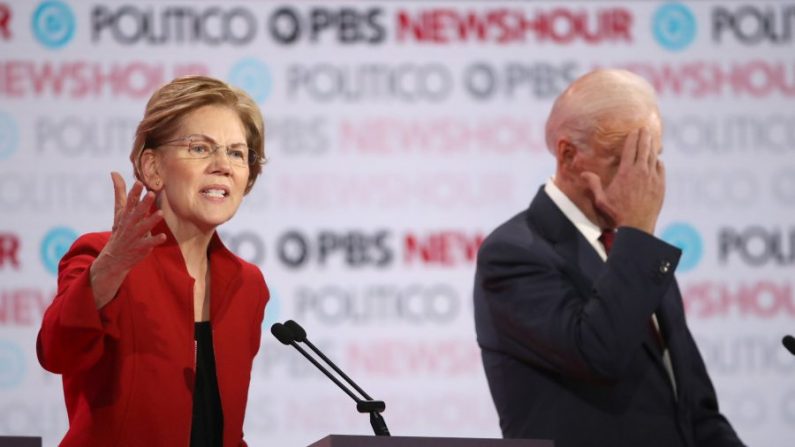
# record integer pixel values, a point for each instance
(19, 441)
(411, 441)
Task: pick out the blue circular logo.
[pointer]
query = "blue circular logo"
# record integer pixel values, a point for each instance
(12, 364)
(685, 237)
(8, 136)
(674, 26)
(53, 24)
(252, 76)
(55, 244)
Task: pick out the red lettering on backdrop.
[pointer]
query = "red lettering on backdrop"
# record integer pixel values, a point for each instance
(560, 26)
(445, 248)
(10, 79)
(5, 21)
(444, 135)
(335, 191)
(755, 78)
(190, 69)
(9, 250)
(762, 299)
(24, 307)
(372, 134)
(79, 79)
(47, 77)
(398, 357)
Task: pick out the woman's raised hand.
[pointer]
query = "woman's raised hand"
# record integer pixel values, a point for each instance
(131, 239)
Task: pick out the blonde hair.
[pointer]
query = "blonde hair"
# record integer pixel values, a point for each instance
(171, 102)
(600, 108)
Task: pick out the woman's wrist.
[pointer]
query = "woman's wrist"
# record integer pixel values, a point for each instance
(106, 278)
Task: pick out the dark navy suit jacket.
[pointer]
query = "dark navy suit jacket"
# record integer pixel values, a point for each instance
(566, 342)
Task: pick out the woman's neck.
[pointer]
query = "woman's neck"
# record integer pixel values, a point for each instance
(192, 242)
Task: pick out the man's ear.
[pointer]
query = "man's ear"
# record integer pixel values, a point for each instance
(150, 170)
(565, 152)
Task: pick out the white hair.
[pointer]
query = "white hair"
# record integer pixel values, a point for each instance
(600, 108)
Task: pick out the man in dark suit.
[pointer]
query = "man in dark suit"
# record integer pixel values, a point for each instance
(578, 315)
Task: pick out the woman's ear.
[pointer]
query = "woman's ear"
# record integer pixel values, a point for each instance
(150, 170)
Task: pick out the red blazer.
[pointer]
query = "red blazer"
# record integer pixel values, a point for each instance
(128, 369)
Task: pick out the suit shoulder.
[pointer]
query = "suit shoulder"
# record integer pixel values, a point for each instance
(516, 240)
(515, 232)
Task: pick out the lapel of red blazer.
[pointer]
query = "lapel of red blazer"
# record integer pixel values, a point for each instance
(225, 272)
(225, 277)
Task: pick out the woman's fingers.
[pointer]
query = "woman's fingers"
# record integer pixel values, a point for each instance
(119, 196)
(142, 208)
(145, 225)
(119, 190)
(133, 223)
(133, 197)
(135, 208)
(154, 239)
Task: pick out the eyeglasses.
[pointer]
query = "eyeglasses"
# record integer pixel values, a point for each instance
(201, 147)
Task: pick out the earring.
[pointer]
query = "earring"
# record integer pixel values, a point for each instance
(157, 182)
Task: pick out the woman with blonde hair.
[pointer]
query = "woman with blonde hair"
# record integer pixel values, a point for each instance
(155, 324)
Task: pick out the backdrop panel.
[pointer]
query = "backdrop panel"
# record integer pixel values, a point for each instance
(400, 134)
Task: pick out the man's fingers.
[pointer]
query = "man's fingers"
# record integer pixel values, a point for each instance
(661, 175)
(656, 151)
(601, 202)
(644, 148)
(630, 152)
(653, 157)
(594, 184)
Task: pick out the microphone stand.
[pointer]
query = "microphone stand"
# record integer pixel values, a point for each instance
(290, 333)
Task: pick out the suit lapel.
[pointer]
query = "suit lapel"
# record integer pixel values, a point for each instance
(550, 222)
(225, 273)
(225, 277)
(669, 313)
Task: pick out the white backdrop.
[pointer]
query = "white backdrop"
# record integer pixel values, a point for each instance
(400, 134)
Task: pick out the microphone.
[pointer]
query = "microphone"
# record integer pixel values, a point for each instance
(291, 333)
(299, 335)
(286, 336)
(789, 343)
(282, 334)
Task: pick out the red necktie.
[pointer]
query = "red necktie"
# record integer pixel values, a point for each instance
(607, 238)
